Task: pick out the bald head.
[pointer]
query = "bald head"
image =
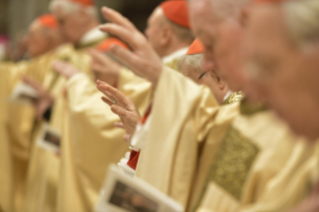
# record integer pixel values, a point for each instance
(38, 37)
(75, 19)
(165, 36)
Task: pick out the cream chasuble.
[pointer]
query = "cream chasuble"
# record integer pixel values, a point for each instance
(20, 119)
(172, 60)
(235, 157)
(176, 131)
(254, 150)
(92, 142)
(43, 196)
(6, 175)
(140, 134)
(44, 168)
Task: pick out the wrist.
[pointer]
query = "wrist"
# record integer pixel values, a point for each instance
(155, 75)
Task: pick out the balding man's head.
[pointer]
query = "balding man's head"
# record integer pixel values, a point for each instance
(74, 18)
(217, 23)
(164, 35)
(41, 31)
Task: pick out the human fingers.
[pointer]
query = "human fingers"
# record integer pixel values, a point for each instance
(106, 92)
(33, 83)
(120, 98)
(107, 101)
(121, 112)
(132, 38)
(99, 82)
(96, 67)
(115, 17)
(94, 54)
(127, 137)
(137, 63)
(119, 125)
(59, 67)
(66, 69)
(98, 56)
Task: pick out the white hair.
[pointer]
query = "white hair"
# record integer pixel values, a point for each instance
(194, 61)
(302, 19)
(69, 7)
(229, 8)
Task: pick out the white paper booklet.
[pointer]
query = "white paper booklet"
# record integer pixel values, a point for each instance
(122, 193)
(23, 93)
(49, 138)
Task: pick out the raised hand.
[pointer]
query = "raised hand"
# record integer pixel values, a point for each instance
(104, 67)
(127, 136)
(143, 60)
(66, 69)
(120, 105)
(44, 100)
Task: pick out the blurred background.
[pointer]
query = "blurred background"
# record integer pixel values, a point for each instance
(16, 15)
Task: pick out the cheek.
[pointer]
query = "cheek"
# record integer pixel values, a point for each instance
(152, 33)
(69, 27)
(297, 109)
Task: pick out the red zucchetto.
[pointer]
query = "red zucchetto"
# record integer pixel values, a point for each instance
(196, 48)
(48, 21)
(84, 2)
(105, 45)
(176, 11)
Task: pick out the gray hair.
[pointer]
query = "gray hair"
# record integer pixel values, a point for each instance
(191, 61)
(302, 19)
(71, 7)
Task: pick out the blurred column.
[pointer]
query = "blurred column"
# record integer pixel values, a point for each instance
(3, 16)
(22, 13)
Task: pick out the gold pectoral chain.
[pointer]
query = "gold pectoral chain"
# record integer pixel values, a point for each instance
(233, 98)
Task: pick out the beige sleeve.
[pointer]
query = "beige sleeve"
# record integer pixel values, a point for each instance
(180, 114)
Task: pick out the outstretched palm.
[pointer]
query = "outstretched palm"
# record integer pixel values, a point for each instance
(121, 105)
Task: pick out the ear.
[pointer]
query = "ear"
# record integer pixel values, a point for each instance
(166, 35)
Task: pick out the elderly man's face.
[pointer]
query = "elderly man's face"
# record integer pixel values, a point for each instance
(153, 31)
(222, 40)
(70, 25)
(208, 78)
(37, 42)
(287, 76)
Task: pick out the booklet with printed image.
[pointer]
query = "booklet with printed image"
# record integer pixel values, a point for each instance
(122, 193)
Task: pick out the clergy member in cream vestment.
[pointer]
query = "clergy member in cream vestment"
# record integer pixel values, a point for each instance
(20, 118)
(189, 102)
(88, 119)
(172, 15)
(43, 196)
